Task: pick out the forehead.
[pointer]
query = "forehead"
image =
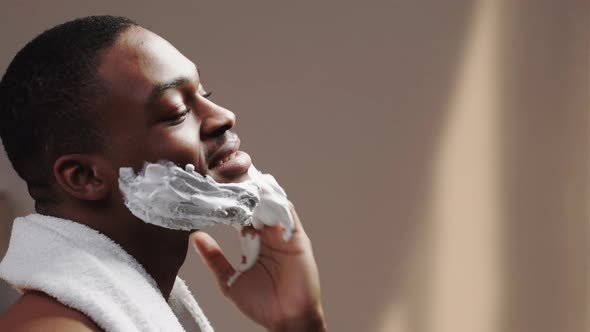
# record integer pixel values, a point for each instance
(138, 61)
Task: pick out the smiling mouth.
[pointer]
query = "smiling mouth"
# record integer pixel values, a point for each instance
(228, 161)
(225, 153)
(228, 158)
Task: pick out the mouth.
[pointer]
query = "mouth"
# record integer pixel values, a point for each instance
(228, 160)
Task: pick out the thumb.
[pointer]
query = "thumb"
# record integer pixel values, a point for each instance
(213, 256)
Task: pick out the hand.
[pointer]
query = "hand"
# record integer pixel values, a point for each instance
(282, 290)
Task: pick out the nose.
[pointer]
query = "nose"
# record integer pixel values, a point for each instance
(215, 120)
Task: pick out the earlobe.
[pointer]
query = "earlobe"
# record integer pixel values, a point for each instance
(81, 176)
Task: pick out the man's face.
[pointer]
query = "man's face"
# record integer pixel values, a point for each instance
(155, 108)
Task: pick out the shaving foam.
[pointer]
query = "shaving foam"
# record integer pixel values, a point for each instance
(168, 196)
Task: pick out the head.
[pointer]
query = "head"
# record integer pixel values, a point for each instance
(99, 93)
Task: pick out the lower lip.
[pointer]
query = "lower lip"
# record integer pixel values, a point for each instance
(238, 164)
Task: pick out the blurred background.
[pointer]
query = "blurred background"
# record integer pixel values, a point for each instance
(438, 152)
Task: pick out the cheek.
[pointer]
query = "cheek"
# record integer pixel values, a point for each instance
(138, 144)
(180, 144)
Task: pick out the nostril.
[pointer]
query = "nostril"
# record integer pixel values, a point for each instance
(219, 131)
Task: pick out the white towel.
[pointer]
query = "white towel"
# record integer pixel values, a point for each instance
(87, 271)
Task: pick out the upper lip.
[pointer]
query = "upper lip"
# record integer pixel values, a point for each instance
(230, 146)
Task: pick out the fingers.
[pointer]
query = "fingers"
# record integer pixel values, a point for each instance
(214, 258)
(282, 215)
(250, 242)
(298, 227)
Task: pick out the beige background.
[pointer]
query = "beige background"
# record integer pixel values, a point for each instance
(437, 151)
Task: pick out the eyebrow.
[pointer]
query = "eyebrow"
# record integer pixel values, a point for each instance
(160, 88)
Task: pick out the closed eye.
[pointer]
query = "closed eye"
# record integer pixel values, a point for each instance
(178, 118)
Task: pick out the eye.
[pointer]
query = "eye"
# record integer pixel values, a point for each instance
(204, 93)
(178, 118)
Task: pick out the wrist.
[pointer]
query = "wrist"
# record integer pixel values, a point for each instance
(310, 322)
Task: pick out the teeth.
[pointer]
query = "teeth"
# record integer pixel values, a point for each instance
(226, 158)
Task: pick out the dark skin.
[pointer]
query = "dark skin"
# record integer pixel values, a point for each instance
(154, 107)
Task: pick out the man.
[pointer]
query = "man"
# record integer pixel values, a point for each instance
(96, 94)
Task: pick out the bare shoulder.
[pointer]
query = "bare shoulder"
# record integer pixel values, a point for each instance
(36, 311)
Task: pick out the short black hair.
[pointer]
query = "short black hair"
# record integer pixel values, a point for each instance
(48, 95)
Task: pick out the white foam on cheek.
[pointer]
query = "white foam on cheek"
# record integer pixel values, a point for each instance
(166, 195)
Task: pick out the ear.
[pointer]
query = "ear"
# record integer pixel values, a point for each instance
(84, 176)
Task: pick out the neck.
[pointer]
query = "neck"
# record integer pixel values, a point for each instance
(160, 251)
